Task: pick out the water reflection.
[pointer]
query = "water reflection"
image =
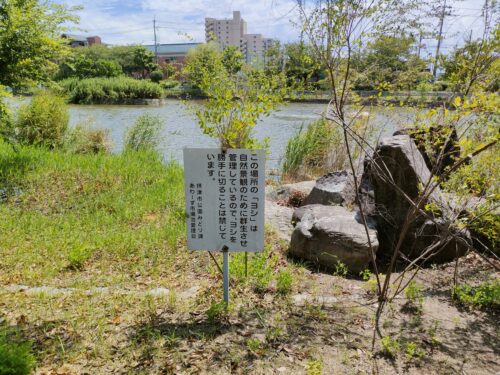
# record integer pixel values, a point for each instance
(181, 129)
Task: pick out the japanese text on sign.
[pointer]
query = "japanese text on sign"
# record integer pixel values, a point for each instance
(225, 194)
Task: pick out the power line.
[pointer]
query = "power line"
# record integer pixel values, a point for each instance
(156, 44)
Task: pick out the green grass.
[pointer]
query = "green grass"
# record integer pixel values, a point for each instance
(109, 90)
(65, 211)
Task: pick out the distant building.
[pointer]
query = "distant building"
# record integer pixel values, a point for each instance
(233, 32)
(81, 41)
(175, 53)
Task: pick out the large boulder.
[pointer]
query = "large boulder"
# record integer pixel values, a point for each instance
(326, 235)
(284, 193)
(335, 188)
(438, 146)
(279, 218)
(397, 161)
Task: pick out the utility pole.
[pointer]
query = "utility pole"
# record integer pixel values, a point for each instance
(420, 43)
(156, 45)
(440, 35)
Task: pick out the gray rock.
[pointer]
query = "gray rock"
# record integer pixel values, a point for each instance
(397, 158)
(279, 218)
(283, 192)
(438, 137)
(320, 211)
(335, 188)
(327, 235)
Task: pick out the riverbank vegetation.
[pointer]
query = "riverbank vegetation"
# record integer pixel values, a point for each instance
(109, 90)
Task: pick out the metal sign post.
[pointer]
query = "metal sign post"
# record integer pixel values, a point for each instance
(225, 272)
(225, 197)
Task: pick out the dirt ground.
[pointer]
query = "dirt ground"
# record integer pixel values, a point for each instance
(324, 325)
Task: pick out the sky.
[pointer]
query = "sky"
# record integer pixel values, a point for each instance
(178, 21)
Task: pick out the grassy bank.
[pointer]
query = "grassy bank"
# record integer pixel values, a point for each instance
(95, 278)
(64, 211)
(116, 90)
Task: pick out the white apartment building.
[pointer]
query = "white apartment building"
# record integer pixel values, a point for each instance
(233, 32)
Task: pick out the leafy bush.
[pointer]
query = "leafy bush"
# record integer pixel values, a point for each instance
(414, 293)
(390, 347)
(109, 90)
(83, 67)
(15, 354)
(485, 295)
(85, 140)
(156, 76)
(260, 268)
(144, 134)
(43, 121)
(169, 84)
(413, 351)
(308, 153)
(341, 269)
(5, 121)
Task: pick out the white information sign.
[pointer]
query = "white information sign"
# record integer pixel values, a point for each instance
(225, 195)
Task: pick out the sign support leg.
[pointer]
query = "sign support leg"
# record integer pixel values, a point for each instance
(225, 268)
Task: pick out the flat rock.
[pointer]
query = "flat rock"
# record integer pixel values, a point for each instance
(284, 192)
(326, 235)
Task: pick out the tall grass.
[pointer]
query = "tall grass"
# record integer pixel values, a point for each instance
(109, 90)
(86, 140)
(44, 121)
(144, 134)
(320, 148)
(310, 152)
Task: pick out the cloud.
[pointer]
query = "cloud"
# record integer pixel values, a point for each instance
(127, 21)
(131, 21)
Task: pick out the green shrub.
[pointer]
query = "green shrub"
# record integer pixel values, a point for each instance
(254, 345)
(15, 354)
(169, 84)
(485, 295)
(85, 140)
(284, 282)
(109, 90)
(43, 121)
(365, 274)
(6, 121)
(341, 269)
(314, 367)
(217, 311)
(144, 134)
(83, 67)
(78, 255)
(260, 268)
(414, 293)
(413, 351)
(308, 152)
(156, 76)
(390, 347)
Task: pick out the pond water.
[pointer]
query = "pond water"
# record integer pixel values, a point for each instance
(181, 128)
